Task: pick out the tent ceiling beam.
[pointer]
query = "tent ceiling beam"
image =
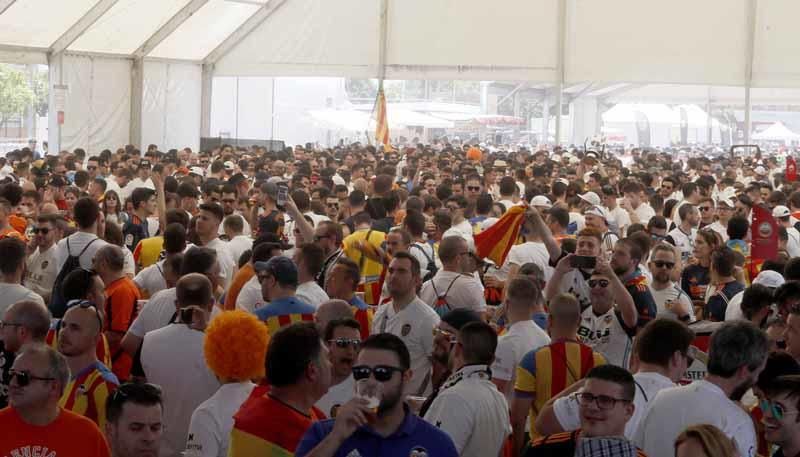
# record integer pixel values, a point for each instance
(82, 25)
(616, 92)
(243, 31)
(6, 4)
(168, 28)
(513, 91)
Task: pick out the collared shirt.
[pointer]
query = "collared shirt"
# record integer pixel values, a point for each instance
(520, 338)
(87, 392)
(471, 410)
(284, 311)
(415, 437)
(414, 325)
(41, 272)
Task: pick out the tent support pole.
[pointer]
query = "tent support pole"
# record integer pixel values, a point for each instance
(206, 91)
(137, 94)
(55, 63)
(748, 70)
(562, 38)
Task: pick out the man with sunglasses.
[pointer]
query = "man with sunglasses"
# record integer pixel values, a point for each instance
(606, 404)
(34, 423)
(23, 323)
(782, 415)
(671, 301)
(91, 381)
(41, 269)
(343, 339)
(391, 431)
(134, 427)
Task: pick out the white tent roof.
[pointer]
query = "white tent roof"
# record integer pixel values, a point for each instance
(776, 131)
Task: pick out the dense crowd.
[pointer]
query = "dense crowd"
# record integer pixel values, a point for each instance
(429, 300)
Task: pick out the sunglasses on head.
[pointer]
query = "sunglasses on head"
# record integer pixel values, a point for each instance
(663, 264)
(598, 282)
(381, 373)
(776, 410)
(24, 378)
(128, 389)
(42, 230)
(86, 304)
(344, 343)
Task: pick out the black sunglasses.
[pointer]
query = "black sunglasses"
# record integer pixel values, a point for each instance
(382, 373)
(474, 188)
(24, 378)
(86, 304)
(133, 388)
(42, 230)
(595, 282)
(344, 343)
(663, 264)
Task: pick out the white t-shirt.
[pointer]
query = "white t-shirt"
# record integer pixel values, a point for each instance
(645, 213)
(464, 291)
(78, 241)
(607, 335)
(567, 409)
(521, 337)
(683, 241)
(700, 402)
(250, 297)
(666, 297)
(15, 293)
(41, 271)
(793, 244)
(129, 267)
(621, 218)
(310, 292)
(472, 412)
(238, 245)
(246, 230)
(157, 313)
(734, 310)
(151, 279)
(337, 396)
(420, 252)
(720, 229)
(574, 283)
(212, 421)
(414, 325)
(226, 264)
(172, 358)
(531, 251)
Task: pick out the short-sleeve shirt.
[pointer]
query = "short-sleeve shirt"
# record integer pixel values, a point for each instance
(718, 302)
(285, 311)
(449, 290)
(546, 371)
(520, 338)
(646, 308)
(695, 280)
(608, 335)
(87, 392)
(69, 435)
(121, 297)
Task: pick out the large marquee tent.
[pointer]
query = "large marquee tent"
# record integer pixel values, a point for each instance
(141, 71)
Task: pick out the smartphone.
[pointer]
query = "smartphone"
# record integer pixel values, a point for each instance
(582, 261)
(283, 195)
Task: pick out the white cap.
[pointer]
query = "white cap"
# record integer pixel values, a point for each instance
(541, 200)
(781, 211)
(727, 202)
(769, 278)
(760, 170)
(591, 198)
(229, 165)
(597, 211)
(197, 171)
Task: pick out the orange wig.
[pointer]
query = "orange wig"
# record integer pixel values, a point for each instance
(235, 346)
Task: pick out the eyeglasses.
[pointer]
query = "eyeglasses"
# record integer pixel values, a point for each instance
(602, 401)
(598, 282)
(344, 343)
(663, 264)
(474, 188)
(775, 409)
(24, 378)
(42, 230)
(705, 208)
(318, 238)
(9, 324)
(381, 373)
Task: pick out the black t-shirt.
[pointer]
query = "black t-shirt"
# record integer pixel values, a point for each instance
(694, 281)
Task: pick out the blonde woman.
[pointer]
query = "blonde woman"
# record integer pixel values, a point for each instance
(704, 441)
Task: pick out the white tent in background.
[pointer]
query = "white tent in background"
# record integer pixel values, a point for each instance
(776, 132)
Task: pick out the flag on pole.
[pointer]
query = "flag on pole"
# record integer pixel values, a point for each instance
(381, 123)
(791, 169)
(764, 239)
(495, 242)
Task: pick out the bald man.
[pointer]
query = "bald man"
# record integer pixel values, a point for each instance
(25, 322)
(91, 382)
(331, 310)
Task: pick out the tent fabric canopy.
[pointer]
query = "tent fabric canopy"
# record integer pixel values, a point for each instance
(777, 131)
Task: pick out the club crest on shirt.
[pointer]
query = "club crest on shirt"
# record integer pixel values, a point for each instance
(405, 330)
(44, 264)
(418, 451)
(607, 319)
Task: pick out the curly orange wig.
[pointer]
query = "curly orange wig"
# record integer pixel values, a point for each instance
(474, 153)
(235, 346)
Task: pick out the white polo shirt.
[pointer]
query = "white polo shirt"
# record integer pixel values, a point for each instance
(250, 297)
(41, 271)
(212, 421)
(151, 278)
(521, 337)
(472, 412)
(464, 291)
(157, 313)
(336, 396)
(414, 325)
(648, 385)
(701, 402)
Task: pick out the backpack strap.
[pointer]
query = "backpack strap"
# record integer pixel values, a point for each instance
(427, 257)
(84, 248)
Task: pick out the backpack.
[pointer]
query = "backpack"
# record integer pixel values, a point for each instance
(431, 266)
(440, 305)
(58, 304)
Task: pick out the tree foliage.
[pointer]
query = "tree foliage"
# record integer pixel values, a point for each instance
(15, 93)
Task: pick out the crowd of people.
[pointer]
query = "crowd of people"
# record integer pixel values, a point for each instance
(342, 302)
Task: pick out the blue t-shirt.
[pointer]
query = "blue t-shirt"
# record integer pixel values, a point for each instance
(717, 303)
(284, 306)
(414, 437)
(541, 320)
(358, 303)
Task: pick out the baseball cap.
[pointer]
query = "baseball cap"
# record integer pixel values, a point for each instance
(281, 268)
(727, 202)
(591, 198)
(760, 170)
(597, 211)
(271, 189)
(144, 163)
(197, 171)
(781, 211)
(499, 164)
(769, 278)
(541, 200)
(229, 165)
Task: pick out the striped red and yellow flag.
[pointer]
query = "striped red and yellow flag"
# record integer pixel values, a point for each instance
(381, 123)
(495, 242)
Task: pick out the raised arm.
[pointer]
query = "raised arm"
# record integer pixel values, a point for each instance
(544, 231)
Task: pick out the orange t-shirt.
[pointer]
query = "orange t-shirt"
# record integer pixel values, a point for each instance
(57, 438)
(239, 280)
(121, 297)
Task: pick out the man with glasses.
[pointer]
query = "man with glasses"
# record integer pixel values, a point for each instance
(41, 269)
(725, 209)
(23, 323)
(390, 431)
(473, 188)
(671, 301)
(134, 425)
(780, 409)
(450, 288)
(343, 339)
(707, 210)
(606, 405)
(91, 381)
(229, 201)
(737, 355)
(34, 422)
(469, 408)
(332, 207)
